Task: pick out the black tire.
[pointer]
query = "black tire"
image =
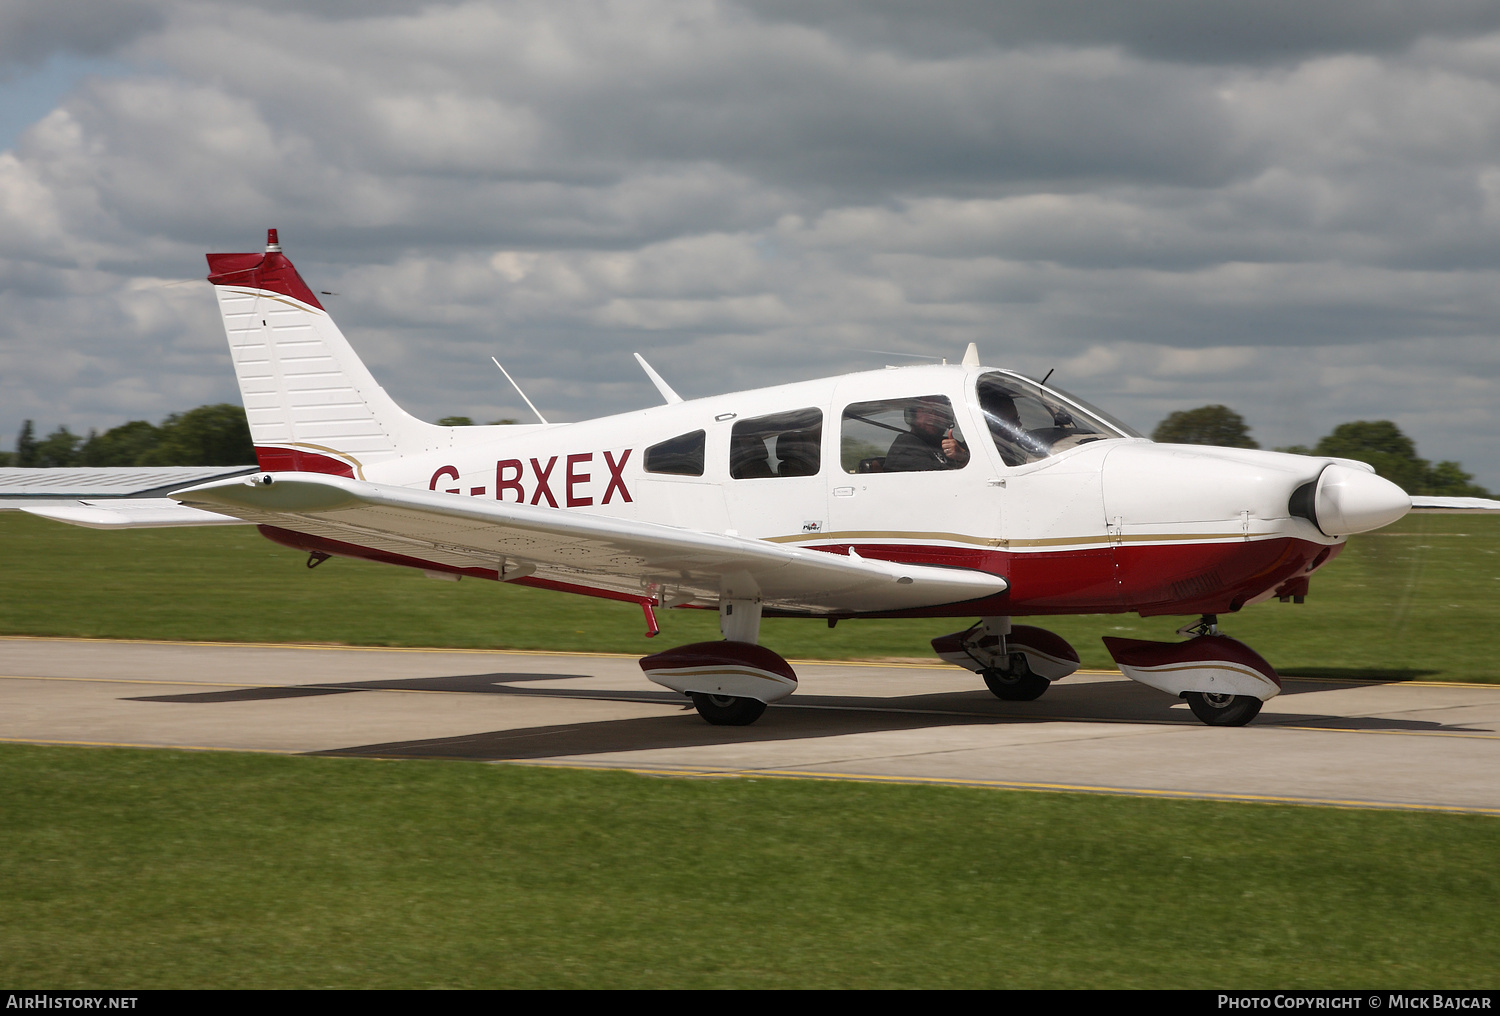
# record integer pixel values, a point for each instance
(1020, 685)
(1223, 710)
(725, 711)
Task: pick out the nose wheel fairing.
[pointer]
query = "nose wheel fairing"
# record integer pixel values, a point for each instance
(1208, 665)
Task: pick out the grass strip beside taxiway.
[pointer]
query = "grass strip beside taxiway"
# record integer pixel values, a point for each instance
(159, 869)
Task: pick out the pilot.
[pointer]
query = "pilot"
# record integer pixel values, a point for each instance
(930, 444)
(1015, 443)
(1001, 413)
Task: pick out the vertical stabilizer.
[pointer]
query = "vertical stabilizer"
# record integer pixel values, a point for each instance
(311, 402)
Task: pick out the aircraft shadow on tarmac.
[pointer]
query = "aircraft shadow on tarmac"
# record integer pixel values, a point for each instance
(473, 683)
(1355, 675)
(806, 716)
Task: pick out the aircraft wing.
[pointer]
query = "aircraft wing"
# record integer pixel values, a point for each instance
(1454, 505)
(639, 559)
(126, 497)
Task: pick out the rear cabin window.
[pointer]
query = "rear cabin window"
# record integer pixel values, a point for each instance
(901, 436)
(786, 444)
(681, 456)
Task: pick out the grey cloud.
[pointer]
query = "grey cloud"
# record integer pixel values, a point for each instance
(33, 30)
(783, 104)
(1189, 31)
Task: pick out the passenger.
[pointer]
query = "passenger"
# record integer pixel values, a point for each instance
(930, 444)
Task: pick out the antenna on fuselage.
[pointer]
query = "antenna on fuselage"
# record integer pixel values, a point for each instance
(1049, 374)
(517, 387)
(656, 379)
(971, 355)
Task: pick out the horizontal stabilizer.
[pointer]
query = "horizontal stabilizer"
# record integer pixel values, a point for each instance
(105, 481)
(113, 497)
(130, 513)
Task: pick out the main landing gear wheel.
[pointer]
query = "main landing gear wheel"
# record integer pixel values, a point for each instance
(726, 710)
(1019, 685)
(1222, 710)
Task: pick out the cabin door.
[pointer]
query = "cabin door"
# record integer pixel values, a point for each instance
(909, 476)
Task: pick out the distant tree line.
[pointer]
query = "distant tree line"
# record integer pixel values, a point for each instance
(1378, 442)
(467, 421)
(216, 435)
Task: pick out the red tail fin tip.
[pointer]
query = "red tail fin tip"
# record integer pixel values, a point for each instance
(272, 243)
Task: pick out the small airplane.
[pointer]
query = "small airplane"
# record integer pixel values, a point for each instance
(920, 491)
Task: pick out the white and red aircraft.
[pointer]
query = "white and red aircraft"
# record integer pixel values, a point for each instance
(925, 491)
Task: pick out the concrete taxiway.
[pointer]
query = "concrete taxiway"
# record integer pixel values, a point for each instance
(1414, 746)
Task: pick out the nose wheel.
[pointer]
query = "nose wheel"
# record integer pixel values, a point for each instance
(726, 710)
(1018, 683)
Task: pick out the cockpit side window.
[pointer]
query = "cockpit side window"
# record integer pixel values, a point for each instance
(1028, 422)
(682, 455)
(786, 444)
(901, 436)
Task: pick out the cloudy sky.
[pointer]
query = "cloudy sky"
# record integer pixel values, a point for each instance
(1288, 206)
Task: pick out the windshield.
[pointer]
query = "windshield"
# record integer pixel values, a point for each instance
(1028, 422)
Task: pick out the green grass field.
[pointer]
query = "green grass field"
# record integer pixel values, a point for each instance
(1420, 599)
(154, 869)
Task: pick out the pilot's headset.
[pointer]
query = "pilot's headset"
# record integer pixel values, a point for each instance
(936, 406)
